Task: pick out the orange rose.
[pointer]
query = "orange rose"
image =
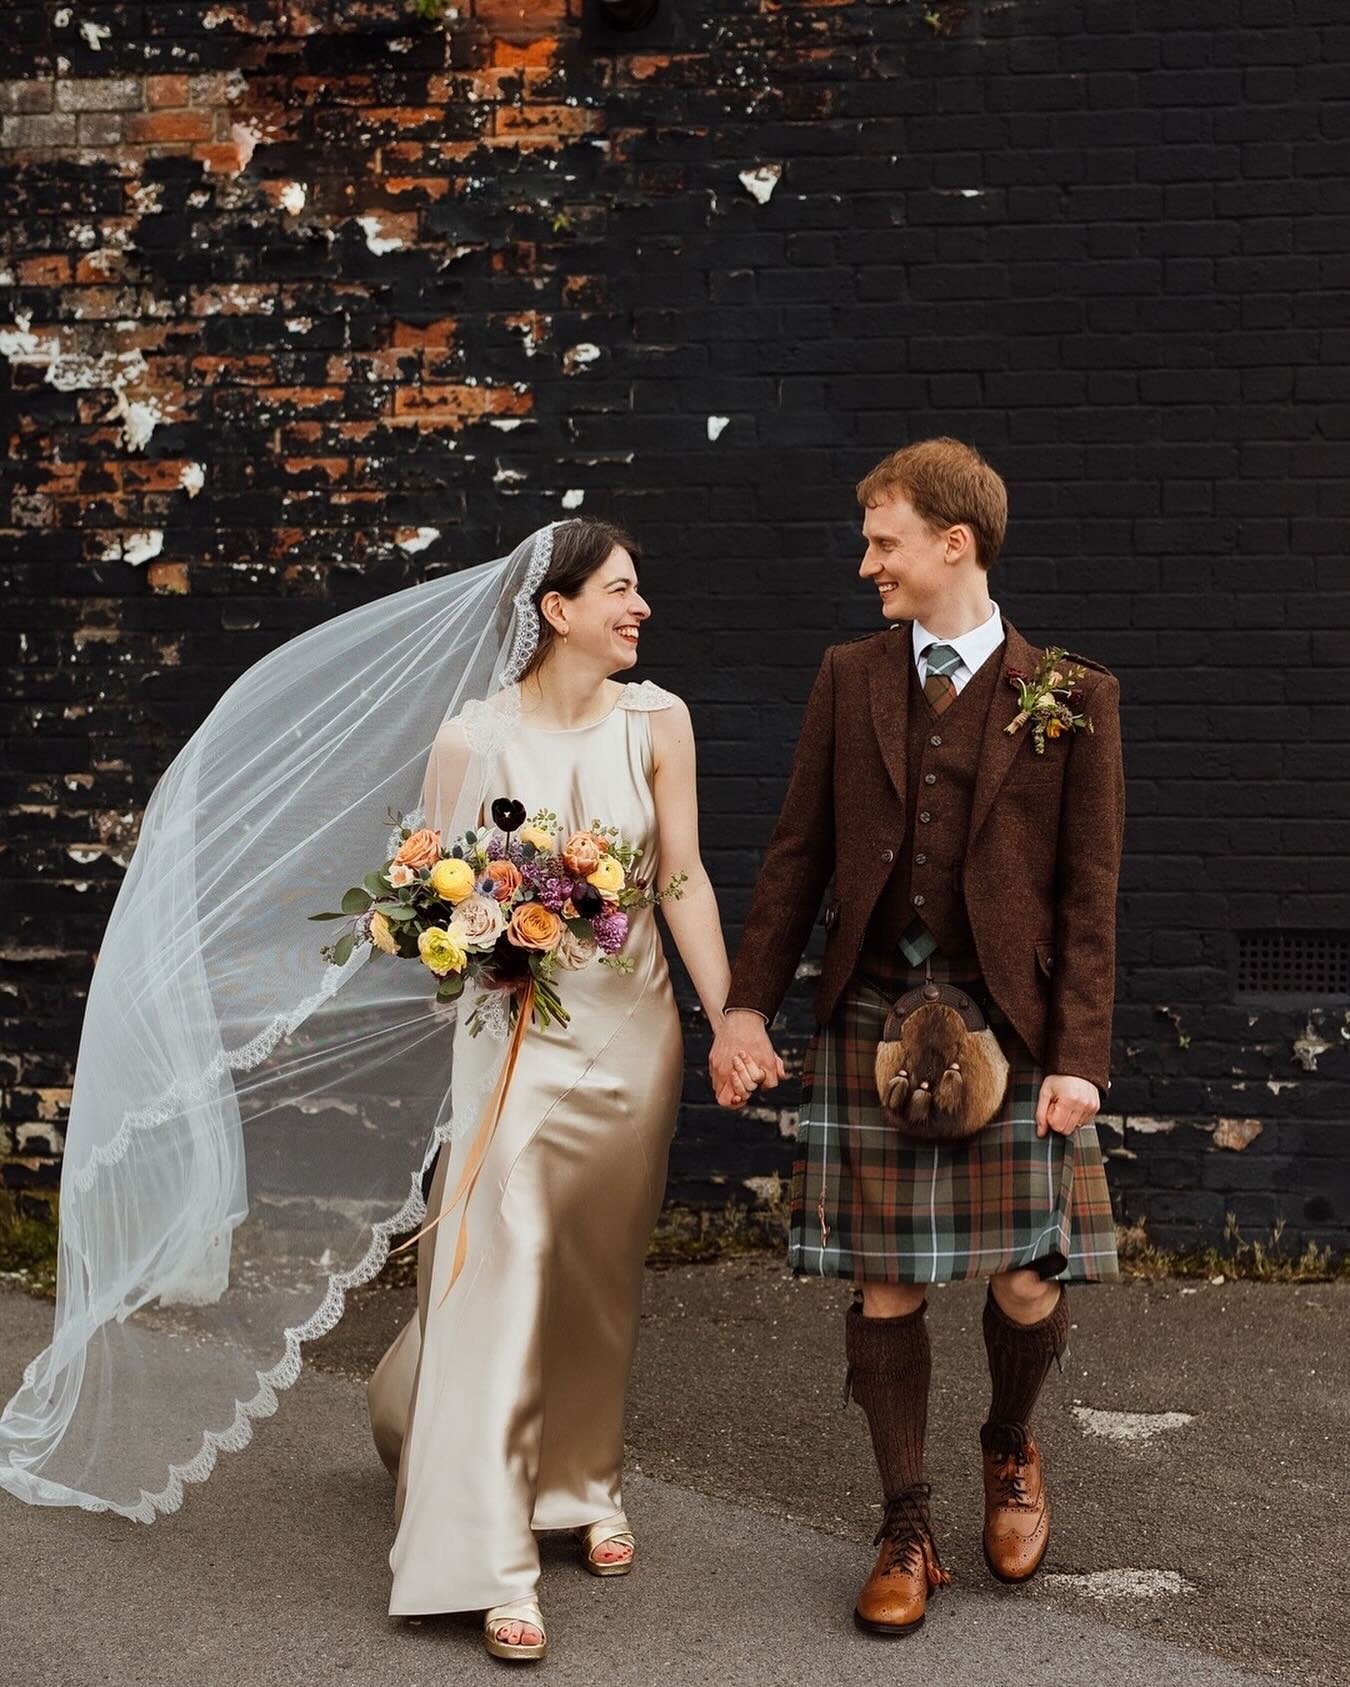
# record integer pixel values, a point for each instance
(582, 853)
(506, 881)
(535, 927)
(420, 849)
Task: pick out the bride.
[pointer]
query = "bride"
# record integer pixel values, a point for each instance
(545, 1318)
(255, 1117)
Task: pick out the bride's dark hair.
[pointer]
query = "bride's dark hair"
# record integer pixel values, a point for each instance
(580, 547)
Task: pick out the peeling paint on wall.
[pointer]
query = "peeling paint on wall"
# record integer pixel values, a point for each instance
(760, 182)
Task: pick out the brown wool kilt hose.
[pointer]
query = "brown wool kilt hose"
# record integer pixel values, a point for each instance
(872, 1205)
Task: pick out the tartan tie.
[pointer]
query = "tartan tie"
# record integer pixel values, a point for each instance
(918, 942)
(939, 688)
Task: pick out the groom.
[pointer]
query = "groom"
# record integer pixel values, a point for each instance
(964, 853)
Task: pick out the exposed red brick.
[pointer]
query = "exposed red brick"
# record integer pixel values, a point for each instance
(334, 467)
(521, 20)
(550, 123)
(234, 299)
(225, 158)
(258, 370)
(458, 400)
(405, 116)
(61, 478)
(522, 55)
(586, 291)
(307, 398)
(427, 187)
(438, 333)
(159, 475)
(51, 269)
(168, 577)
(148, 128)
(409, 154)
(163, 91)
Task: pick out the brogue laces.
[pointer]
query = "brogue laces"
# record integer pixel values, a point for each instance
(1009, 1445)
(908, 1529)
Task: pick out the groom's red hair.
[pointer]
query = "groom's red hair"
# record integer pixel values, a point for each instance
(949, 484)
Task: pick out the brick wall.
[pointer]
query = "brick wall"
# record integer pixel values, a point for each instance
(301, 302)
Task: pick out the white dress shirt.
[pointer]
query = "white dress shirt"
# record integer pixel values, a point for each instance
(974, 647)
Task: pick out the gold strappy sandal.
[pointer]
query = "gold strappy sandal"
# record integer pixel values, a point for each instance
(519, 1611)
(600, 1534)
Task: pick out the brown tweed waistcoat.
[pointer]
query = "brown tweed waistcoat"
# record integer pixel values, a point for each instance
(942, 754)
(1039, 869)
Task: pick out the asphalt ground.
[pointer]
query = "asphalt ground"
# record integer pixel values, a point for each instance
(1196, 1448)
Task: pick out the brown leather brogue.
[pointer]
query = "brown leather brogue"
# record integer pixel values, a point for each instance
(1016, 1510)
(895, 1596)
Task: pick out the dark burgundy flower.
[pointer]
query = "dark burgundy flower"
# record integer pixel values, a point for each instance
(1075, 699)
(1014, 675)
(508, 814)
(587, 901)
(509, 964)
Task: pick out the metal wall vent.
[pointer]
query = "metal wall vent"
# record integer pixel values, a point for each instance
(1293, 963)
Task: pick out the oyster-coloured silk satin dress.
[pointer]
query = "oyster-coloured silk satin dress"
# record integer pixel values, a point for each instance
(501, 1412)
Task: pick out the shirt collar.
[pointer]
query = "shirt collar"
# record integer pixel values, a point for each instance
(973, 646)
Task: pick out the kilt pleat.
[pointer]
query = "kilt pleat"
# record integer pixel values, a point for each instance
(869, 1204)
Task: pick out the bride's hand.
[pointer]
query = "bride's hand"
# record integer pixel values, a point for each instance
(742, 1059)
(746, 1078)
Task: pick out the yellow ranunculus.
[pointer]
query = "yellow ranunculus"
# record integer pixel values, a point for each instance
(537, 836)
(452, 879)
(608, 877)
(442, 951)
(382, 935)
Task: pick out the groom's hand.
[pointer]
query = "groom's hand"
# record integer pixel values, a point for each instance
(1065, 1104)
(743, 1057)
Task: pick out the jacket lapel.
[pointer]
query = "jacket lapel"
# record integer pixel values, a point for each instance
(998, 748)
(889, 683)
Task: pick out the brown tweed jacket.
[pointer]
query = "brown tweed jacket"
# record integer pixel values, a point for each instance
(1041, 863)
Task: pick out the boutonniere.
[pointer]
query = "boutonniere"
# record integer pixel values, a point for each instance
(1048, 698)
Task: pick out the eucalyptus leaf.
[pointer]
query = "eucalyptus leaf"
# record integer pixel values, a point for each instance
(342, 950)
(355, 901)
(328, 916)
(376, 884)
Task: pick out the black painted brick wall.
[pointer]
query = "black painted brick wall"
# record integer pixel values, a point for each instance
(302, 302)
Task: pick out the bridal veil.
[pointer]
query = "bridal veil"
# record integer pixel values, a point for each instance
(250, 1124)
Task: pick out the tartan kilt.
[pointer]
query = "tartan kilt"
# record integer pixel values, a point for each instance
(872, 1205)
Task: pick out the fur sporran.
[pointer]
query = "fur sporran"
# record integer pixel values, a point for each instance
(941, 1075)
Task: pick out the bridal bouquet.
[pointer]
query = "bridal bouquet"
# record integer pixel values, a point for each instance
(507, 909)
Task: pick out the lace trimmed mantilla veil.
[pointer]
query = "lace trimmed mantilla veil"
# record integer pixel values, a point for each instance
(250, 1125)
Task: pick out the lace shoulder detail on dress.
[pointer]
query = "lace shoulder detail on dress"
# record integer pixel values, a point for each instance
(489, 726)
(646, 698)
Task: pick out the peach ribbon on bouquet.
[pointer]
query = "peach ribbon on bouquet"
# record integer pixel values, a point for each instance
(473, 1165)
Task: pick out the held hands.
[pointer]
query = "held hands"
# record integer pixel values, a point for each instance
(743, 1059)
(1065, 1104)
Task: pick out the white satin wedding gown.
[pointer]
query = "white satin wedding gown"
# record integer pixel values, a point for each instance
(501, 1411)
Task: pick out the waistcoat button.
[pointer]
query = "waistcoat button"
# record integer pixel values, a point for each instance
(935, 741)
(925, 817)
(888, 855)
(920, 858)
(918, 901)
(930, 778)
